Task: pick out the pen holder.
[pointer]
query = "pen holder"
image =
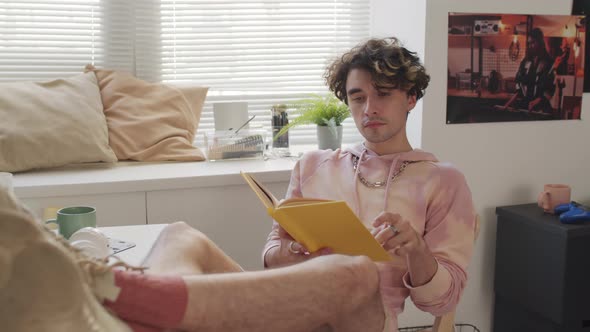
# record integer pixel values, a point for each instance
(246, 144)
(279, 120)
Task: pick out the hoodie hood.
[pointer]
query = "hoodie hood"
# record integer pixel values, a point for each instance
(414, 155)
(368, 161)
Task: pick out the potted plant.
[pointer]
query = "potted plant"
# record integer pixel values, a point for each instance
(327, 112)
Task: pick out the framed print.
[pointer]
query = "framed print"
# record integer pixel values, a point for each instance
(582, 7)
(508, 67)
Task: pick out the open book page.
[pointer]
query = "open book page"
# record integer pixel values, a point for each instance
(293, 201)
(267, 198)
(319, 223)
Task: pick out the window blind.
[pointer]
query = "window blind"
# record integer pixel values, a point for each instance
(47, 39)
(259, 52)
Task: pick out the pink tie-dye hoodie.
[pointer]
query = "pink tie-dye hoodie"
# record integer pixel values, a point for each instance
(433, 196)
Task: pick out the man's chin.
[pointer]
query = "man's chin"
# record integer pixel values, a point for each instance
(375, 140)
(376, 137)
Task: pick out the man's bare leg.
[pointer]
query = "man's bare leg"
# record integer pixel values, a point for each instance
(183, 250)
(337, 292)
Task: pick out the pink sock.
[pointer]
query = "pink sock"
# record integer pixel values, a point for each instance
(158, 301)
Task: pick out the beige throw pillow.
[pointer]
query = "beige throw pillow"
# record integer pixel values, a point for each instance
(150, 121)
(48, 124)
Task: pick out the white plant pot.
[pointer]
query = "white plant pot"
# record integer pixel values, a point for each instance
(327, 139)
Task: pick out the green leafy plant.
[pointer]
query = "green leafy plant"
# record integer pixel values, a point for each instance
(320, 110)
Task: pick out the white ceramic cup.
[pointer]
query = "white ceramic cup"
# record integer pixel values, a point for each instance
(230, 115)
(91, 248)
(91, 241)
(91, 234)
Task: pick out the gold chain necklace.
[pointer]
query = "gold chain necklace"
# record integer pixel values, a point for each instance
(378, 184)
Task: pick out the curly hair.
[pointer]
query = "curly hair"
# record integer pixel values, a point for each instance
(391, 65)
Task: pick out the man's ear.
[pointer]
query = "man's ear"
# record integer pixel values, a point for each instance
(411, 102)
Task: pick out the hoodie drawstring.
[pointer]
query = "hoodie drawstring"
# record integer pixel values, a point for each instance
(357, 203)
(387, 185)
(389, 176)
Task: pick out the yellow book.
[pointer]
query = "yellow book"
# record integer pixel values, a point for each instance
(318, 223)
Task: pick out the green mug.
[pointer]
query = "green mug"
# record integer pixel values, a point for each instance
(71, 219)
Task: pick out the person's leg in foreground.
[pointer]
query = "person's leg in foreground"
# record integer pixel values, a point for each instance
(334, 292)
(46, 285)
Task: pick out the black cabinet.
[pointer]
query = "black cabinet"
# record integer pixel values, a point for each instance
(542, 272)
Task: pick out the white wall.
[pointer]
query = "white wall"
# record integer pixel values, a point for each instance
(406, 21)
(504, 163)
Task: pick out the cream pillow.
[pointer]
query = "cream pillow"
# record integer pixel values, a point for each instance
(150, 121)
(48, 124)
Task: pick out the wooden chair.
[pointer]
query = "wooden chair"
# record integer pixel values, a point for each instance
(446, 322)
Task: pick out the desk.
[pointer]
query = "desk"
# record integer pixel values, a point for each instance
(143, 236)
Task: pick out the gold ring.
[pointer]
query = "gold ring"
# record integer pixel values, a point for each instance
(394, 230)
(293, 251)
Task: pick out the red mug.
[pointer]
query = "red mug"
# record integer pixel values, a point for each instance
(553, 195)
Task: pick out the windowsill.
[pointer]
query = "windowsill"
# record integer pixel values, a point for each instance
(122, 177)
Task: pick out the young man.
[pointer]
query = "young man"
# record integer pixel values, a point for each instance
(418, 208)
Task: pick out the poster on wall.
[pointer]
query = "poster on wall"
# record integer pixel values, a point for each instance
(582, 7)
(510, 67)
